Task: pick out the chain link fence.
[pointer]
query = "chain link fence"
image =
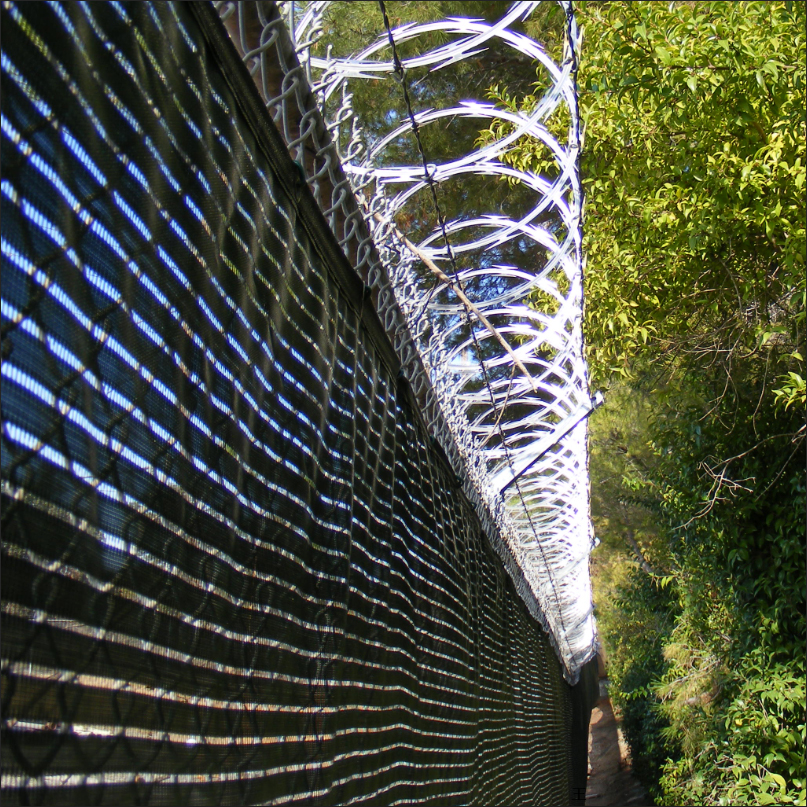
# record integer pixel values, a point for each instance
(236, 567)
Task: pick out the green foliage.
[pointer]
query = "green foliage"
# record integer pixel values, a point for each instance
(695, 139)
(633, 626)
(714, 633)
(792, 391)
(733, 687)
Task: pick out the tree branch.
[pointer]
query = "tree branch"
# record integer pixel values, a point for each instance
(456, 287)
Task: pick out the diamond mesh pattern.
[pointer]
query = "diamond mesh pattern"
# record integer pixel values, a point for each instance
(236, 568)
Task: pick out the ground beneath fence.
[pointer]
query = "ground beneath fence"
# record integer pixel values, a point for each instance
(610, 780)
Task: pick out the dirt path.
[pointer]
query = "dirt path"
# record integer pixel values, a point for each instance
(610, 780)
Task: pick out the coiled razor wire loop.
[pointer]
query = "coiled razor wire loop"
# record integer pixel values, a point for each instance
(518, 439)
(455, 272)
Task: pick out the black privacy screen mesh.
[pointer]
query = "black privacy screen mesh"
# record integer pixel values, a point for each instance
(234, 569)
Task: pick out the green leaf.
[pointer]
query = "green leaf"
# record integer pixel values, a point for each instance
(663, 54)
